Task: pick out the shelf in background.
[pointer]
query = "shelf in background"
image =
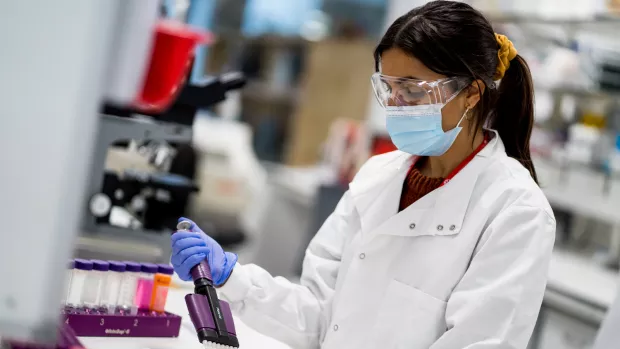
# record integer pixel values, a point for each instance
(578, 276)
(579, 190)
(263, 92)
(537, 19)
(581, 91)
(587, 204)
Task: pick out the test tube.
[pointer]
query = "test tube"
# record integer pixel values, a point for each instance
(129, 285)
(163, 278)
(93, 285)
(81, 269)
(112, 286)
(145, 285)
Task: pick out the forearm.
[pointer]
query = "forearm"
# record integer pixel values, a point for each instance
(275, 306)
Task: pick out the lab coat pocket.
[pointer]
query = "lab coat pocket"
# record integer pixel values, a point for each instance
(407, 318)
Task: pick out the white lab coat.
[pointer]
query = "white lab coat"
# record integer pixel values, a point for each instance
(463, 267)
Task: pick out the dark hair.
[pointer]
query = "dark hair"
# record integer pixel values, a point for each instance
(453, 39)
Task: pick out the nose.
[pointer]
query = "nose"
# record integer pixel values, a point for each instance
(391, 101)
(395, 100)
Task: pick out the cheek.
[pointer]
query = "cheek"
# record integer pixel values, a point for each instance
(450, 115)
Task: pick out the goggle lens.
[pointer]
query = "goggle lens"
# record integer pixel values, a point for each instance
(391, 91)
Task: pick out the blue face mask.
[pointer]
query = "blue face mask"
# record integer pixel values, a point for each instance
(417, 129)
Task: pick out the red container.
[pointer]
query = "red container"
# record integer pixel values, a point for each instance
(172, 54)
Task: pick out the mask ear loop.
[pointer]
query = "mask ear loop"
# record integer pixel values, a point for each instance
(464, 116)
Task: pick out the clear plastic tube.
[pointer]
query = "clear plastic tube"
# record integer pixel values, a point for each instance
(93, 285)
(145, 286)
(111, 287)
(81, 269)
(129, 285)
(161, 285)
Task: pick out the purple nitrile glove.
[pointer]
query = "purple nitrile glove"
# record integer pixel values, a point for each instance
(191, 247)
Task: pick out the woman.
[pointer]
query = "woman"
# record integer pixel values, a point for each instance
(443, 244)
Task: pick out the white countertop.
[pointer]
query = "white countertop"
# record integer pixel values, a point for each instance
(248, 338)
(580, 190)
(580, 277)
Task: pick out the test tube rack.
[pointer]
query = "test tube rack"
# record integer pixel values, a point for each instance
(78, 323)
(143, 324)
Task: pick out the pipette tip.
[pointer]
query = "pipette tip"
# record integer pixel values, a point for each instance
(211, 345)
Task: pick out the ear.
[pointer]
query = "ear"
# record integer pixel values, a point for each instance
(473, 93)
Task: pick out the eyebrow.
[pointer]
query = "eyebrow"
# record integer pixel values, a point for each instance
(405, 78)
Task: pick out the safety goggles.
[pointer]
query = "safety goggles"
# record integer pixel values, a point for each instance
(398, 92)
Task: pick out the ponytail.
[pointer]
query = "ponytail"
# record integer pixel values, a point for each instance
(514, 113)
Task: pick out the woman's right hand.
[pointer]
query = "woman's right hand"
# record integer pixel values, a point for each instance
(191, 247)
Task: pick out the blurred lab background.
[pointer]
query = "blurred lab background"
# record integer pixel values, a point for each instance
(261, 164)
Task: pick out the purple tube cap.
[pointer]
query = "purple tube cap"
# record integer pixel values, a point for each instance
(148, 268)
(117, 266)
(83, 264)
(132, 266)
(165, 269)
(100, 265)
(71, 264)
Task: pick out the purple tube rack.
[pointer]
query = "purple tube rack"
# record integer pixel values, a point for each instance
(144, 324)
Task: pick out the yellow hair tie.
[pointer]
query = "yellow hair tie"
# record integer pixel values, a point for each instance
(507, 52)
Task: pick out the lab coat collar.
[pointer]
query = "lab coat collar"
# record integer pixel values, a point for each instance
(376, 195)
(495, 146)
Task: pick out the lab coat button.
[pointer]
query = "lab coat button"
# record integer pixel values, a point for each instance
(412, 226)
(440, 227)
(335, 327)
(452, 227)
(362, 255)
